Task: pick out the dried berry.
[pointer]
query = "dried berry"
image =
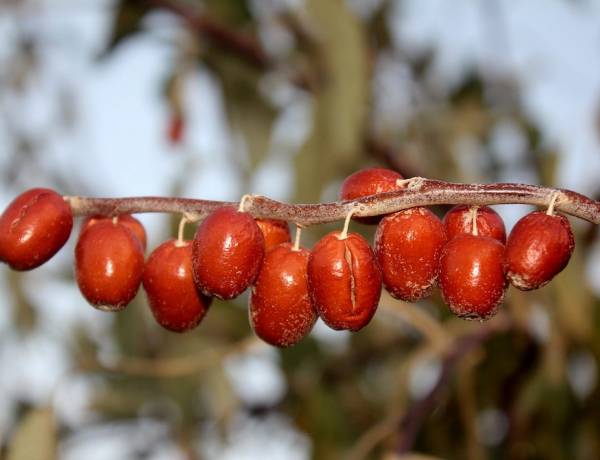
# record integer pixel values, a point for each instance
(369, 182)
(281, 310)
(459, 221)
(408, 245)
(538, 248)
(344, 281)
(472, 278)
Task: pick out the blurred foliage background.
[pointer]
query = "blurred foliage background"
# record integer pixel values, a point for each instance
(306, 93)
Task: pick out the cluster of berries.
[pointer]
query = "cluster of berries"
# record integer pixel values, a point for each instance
(340, 280)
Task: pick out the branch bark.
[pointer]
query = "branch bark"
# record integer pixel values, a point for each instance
(422, 192)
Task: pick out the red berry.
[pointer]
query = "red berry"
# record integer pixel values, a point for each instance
(33, 227)
(227, 253)
(176, 129)
(344, 281)
(538, 248)
(109, 262)
(281, 311)
(408, 245)
(472, 277)
(369, 182)
(459, 221)
(275, 232)
(125, 219)
(176, 303)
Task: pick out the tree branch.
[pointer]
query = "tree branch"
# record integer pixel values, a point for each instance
(422, 192)
(239, 44)
(417, 413)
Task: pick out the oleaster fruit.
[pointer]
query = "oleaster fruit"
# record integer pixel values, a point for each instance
(124, 219)
(367, 182)
(109, 262)
(33, 228)
(459, 221)
(344, 280)
(340, 280)
(174, 299)
(280, 307)
(408, 245)
(275, 232)
(227, 253)
(472, 278)
(538, 248)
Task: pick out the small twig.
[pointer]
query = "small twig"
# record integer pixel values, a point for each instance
(413, 419)
(246, 47)
(430, 192)
(296, 246)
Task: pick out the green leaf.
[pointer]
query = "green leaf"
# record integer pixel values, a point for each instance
(35, 438)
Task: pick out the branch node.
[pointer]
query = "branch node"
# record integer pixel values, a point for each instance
(243, 201)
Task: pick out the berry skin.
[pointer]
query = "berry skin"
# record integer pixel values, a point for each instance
(174, 300)
(344, 281)
(125, 219)
(275, 232)
(367, 182)
(281, 310)
(33, 228)
(109, 262)
(227, 253)
(459, 221)
(538, 248)
(408, 246)
(472, 277)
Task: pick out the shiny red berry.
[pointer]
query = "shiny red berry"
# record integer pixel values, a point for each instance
(367, 182)
(33, 227)
(459, 221)
(174, 299)
(538, 248)
(125, 219)
(109, 262)
(344, 281)
(275, 232)
(472, 278)
(281, 310)
(227, 253)
(408, 246)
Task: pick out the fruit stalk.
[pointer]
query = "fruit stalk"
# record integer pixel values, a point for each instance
(429, 192)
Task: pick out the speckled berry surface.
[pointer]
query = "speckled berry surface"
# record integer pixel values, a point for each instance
(538, 248)
(281, 310)
(344, 281)
(459, 221)
(33, 228)
(174, 299)
(367, 182)
(472, 279)
(408, 246)
(109, 263)
(227, 253)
